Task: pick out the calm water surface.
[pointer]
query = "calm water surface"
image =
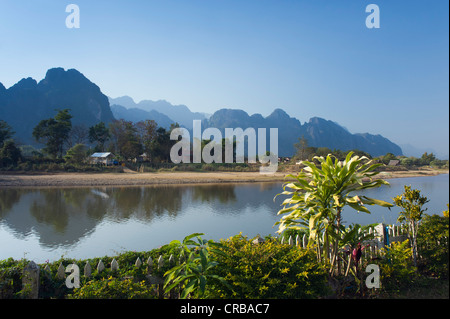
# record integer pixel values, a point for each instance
(47, 223)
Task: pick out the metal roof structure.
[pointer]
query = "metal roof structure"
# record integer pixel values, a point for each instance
(102, 155)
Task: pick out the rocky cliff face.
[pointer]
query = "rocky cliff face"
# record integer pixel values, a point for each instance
(26, 103)
(319, 132)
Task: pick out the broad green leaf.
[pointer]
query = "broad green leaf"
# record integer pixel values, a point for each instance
(373, 201)
(188, 289)
(202, 284)
(192, 236)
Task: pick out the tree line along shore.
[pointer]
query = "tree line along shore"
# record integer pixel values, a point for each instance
(145, 148)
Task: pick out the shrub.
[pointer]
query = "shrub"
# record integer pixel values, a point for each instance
(268, 270)
(209, 167)
(433, 246)
(196, 271)
(11, 277)
(114, 288)
(396, 267)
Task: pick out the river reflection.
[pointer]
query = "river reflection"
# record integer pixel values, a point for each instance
(46, 223)
(62, 218)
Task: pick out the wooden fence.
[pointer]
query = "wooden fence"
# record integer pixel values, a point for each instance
(384, 235)
(32, 273)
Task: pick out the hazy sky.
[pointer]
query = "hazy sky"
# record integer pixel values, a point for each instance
(311, 58)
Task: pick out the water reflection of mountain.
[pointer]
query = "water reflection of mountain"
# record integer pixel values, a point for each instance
(60, 217)
(56, 216)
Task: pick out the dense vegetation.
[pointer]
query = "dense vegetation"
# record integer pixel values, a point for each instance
(239, 267)
(264, 270)
(144, 147)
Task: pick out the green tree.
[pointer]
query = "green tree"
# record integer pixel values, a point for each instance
(301, 148)
(387, 158)
(411, 203)
(6, 132)
(432, 242)
(9, 154)
(407, 161)
(125, 140)
(160, 148)
(54, 132)
(146, 131)
(320, 192)
(76, 154)
(99, 134)
(426, 158)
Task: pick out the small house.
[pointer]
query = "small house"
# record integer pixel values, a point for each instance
(106, 158)
(393, 163)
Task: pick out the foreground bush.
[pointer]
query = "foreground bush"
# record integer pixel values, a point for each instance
(251, 270)
(114, 288)
(11, 277)
(433, 246)
(268, 270)
(396, 267)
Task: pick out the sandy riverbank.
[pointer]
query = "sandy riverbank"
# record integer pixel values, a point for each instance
(133, 179)
(141, 179)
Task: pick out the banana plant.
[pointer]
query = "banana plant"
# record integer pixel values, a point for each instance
(352, 241)
(194, 273)
(319, 193)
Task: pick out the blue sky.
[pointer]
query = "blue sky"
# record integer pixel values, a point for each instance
(311, 58)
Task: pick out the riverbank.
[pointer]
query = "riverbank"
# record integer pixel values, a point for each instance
(130, 178)
(133, 179)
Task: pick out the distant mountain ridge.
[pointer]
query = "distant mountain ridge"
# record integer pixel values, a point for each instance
(27, 102)
(178, 113)
(136, 115)
(319, 132)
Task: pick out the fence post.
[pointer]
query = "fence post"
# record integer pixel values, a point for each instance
(380, 231)
(138, 263)
(87, 270)
(61, 272)
(114, 265)
(30, 280)
(100, 266)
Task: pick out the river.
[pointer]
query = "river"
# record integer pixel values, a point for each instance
(48, 223)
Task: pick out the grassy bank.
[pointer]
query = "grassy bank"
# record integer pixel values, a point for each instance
(264, 270)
